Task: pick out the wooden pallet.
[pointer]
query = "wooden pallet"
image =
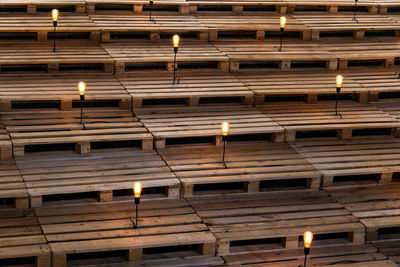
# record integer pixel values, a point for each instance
(300, 117)
(147, 53)
(236, 6)
(377, 82)
(266, 52)
(41, 127)
(260, 26)
(390, 248)
(42, 25)
(62, 88)
(329, 255)
(102, 172)
(140, 24)
(330, 6)
(377, 208)
(32, 6)
(390, 106)
(311, 85)
(284, 216)
(205, 121)
(192, 87)
(22, 237)
(108, 6)
(106, 228)
(12, 185)
(30, 56)
(376, 155)
(381, 52)
(339, 24)
(388, 6)
(247, 162)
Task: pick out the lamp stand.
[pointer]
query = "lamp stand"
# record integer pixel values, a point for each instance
(306, 252)
(280, 45)
(336, 104)
(135, 222)
(355, 11)
(82, 98)
(151, 10)
(224, 139)
(55, 35)
(176, 79)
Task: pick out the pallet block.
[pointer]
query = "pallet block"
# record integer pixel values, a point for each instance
(161, 224)
(248, 163)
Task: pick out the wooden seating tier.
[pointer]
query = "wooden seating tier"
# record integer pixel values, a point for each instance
(192, 87)
(109, 24)
(32, 56)
(62, 88)
(41, 127)
(320, 24)
(372, 155)
(22, 237)
(283, 216)
(320, 255)
(376, 209)
(301, 117)
(311, 85)
(12, 185)
(249, 163)
(33, 6)
(42, 25)
(163, 53)
(205, 121)
(109, 227)
(99, 172)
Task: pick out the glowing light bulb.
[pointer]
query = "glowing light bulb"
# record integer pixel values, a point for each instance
(175, 40)
(82, 88)
(339, 81)
(225, 128)
(137, 189)
(54, 14)
(283, 22)
(308, 238)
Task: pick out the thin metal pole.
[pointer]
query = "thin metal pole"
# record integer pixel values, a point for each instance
(81, 110)
(151, 8)
(55, 37)
(337, 98)
(280, 46)
(355, 11)
(137, 207)
(305, 260)
(223, 153)
(174, 67)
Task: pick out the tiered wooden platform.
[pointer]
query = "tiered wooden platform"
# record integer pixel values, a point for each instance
(12, 185)
(265, 54)
(276, 220)
(374, 53)
(346, 163)
(107, 174)
(322, 25)
(34, 6)
(205, 121)
(377, 209)
(298, 117)
(128, 27)
(69, 56)
(332, 6)
(22, 240)
(259, 27)
(330, 255)
(49, 127)
(137, 6)
(151, 55)
(109, 227)
(311, 85)
(377, 82)
(27, 89)
(388, 6)
(257, 166)
(193, 87)
(392, 107)
(42, 27)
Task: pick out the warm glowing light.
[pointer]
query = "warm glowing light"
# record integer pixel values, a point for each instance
(82, 88)
(54, 14)
(283, 22)
(225, 128)
(339, 81)
(137, 189)
(175, 40)
(308, 237)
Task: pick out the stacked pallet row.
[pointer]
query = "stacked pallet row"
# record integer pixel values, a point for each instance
(291, 163)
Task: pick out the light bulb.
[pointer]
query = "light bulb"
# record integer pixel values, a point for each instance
(339, 81)
(137, 189)
(54, 14)
(225, 128)
(175, 40)
(82, 88)
(308, 238)
(283, 22)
